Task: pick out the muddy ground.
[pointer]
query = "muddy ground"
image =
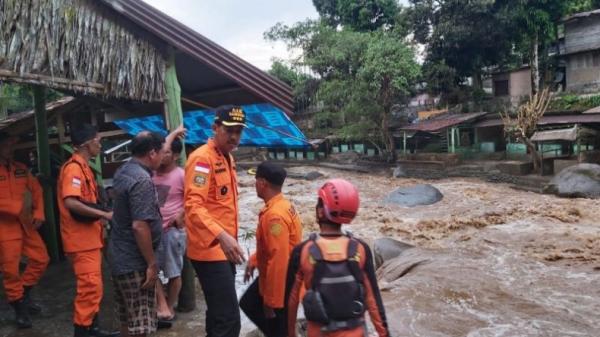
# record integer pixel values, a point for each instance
(490, 261)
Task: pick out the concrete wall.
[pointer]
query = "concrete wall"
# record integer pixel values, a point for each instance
(520, 83)
(583, 72)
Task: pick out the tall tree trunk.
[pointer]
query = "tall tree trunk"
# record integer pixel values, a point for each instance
(536, 158)
(477, 80)
(534, 64)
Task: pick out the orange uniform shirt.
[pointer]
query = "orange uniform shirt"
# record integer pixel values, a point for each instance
(15, 181)
(279, 231)
(300, 275)
(76, 179)
(210, 202)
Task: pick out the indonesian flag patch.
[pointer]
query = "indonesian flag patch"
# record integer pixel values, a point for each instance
(202, 168)
(76, 182)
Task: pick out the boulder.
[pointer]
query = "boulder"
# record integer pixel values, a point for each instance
(350, 157)
(310, 176)
(579, 181)
(385, 249)
(422, 194)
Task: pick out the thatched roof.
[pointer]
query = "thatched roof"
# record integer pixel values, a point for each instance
(77, 45)
(118, 49)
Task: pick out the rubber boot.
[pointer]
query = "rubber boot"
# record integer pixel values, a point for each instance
(81, 331)
(22, 314)
(96, 332)
(32, 307)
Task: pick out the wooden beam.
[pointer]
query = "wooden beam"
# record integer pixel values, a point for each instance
(196, 103)
(43, 149)
(53, 141)
(55, 82)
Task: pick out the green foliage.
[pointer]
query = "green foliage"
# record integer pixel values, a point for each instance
(570, 102)
(364, 15)
(19, 97)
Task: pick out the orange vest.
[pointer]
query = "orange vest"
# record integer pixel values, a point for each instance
(279, 231)
(77, 180)
(210, 201)
(15, 181)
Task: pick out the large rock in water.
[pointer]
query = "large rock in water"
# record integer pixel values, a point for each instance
(578, 181)
(385, 249)
(422, 194)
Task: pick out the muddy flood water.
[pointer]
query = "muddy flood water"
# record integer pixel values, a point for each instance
(488, 261)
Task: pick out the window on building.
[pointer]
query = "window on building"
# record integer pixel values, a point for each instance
(501, 88)
(596, 59)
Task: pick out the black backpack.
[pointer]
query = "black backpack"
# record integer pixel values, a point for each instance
(336, 298)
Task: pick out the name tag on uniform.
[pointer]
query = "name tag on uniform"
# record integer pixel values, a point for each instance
(20, 173)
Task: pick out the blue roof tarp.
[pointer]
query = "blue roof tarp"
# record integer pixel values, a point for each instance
(268, 126)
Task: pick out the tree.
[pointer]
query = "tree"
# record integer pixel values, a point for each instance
(363, 15)
(463, 38)
(524, 124)
(536, 23)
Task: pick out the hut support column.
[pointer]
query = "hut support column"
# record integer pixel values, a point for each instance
(174, 118)
(43, 149)
(452, 140)
(404, 141)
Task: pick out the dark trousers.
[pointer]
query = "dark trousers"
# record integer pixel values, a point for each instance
(218, 284)
(252, 305)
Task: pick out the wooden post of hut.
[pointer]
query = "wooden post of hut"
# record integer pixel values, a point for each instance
(174, 118)
(43, 149)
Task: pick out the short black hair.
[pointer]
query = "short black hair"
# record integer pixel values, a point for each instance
(146, 141)
(273, 173)
(176, 146)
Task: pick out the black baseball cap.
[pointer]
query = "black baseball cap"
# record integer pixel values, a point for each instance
(230, 115)
(83, 133)
(271, 172)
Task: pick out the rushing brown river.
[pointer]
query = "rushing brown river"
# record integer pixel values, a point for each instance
(490, 261)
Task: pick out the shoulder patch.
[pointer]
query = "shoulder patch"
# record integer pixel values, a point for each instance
(20, 173)
(202, 167)
(200, 180)
(276, 229)
(76, 182)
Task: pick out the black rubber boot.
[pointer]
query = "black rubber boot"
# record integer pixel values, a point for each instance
(81, 331)
(32, 307)
(96, 332)
(21, 313)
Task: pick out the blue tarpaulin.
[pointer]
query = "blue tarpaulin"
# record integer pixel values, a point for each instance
(268, 126)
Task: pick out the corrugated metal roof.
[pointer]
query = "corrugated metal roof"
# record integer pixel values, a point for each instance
(592, 110)
(13, 118)
(546, 120)
(581, 15)
(206, 51)
(441, 122)
(569, 134)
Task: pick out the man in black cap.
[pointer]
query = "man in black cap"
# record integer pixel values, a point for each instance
(81, 229)
(279, 230)
(211, 218)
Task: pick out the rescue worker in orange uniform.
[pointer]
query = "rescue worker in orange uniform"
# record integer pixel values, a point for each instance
(337, 272)
(19, 222)
(211, 218)
(279, 231)
(81, 229)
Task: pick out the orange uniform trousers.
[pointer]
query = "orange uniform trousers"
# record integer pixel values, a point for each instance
(30, 245)
(87, 266)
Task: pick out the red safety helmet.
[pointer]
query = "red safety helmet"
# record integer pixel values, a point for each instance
(340, 200)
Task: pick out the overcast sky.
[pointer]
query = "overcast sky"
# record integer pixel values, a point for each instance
(238, 25)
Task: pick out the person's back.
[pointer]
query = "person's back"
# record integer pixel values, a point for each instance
(337, 272)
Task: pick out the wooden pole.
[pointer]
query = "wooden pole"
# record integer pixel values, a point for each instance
(174, 118)
(44, 166)
(404, 142)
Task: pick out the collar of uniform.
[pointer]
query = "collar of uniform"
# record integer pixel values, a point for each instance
(272, 201)
(137, 162)
(78, 158)
(211, 142)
